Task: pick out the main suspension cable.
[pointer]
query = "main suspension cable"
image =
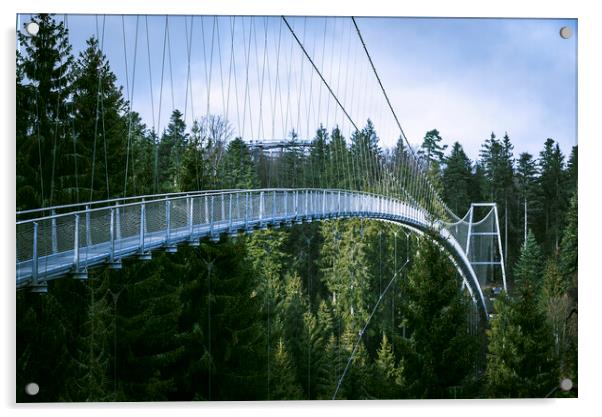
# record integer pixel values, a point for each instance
(319, 73)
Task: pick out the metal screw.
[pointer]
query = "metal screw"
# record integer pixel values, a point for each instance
(32, 28)
(565, 32)
(566, 384)
(32, 388)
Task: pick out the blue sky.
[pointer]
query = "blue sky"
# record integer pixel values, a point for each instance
(465, 77)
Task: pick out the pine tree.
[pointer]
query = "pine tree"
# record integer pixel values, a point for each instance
(504, 358)
(283, 376)
(568, 270)
(339, 160)
(440, 353)
(238, 168)
(292, 309)
(171, 153)
(28, 192)
(572, 171)
(46, 64)
(556, 304)
(431, 149)
(457, 180)
(387, 375)
(91, 380)
(521, 360)
(569, 245)
(367, 154)
(316, 174)
(194, 166)
(149, 341)
(552, 185)
(526, 171)
(290, 164)
(431, 153)
(102, 128)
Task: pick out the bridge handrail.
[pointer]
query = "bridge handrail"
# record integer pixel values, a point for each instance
(154, 198)
(116, 199)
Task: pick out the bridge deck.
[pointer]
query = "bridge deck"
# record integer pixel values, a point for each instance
(70, 243)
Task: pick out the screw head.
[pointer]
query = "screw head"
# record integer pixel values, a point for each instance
(32, 28)
(566, 384)
(32, 388)
(565, 32)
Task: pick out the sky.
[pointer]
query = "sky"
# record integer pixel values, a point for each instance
(464, 77)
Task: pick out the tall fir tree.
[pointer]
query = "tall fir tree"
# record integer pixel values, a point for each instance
(552, 186)
(521, 354)
(457, 180)
(171, 153)
(440, 353)
(46, 63)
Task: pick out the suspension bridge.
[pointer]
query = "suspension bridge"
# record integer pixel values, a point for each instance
(286, 83)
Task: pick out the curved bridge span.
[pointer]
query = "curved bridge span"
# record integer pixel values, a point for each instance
(67, 240)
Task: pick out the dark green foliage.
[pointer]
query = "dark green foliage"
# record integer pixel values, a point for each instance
(457, 180)
(171, 153)
(521, 360)
(553, 192)
(100, 146)
(387, 374)
(238, 168)
(283, 376)
(568, 247)
(44, 126)
(431, 149)
(440, 353)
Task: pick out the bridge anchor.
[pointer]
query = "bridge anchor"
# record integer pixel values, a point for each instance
(80, 275)
(39, 288)
(145, 256)
(116, 264)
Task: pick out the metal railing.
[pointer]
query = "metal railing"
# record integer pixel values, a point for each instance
(107, 231)
(70, 242)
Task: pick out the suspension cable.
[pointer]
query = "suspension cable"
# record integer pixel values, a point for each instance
(318, 71)
(130, 106)
(359, 34)
(361, 334)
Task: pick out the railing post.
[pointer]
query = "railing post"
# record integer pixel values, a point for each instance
(88, 232)
(286, 204)
(261, 206)
(76, 245)
(296, 202)
(34, 256)
(324, 204)
(112, 236)
(142, 221)
(339, 204)
(223, 209)
(246, 210)
(54, 237)
(230, 213)
(306, 202)
(117, 222)
(211, 215)
(189, 205)
(274, 204)
(207, 209)
(167, 220)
